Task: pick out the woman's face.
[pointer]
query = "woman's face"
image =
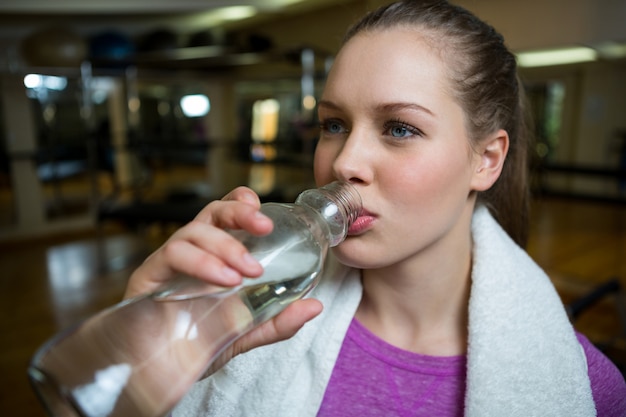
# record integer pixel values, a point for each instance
(391, 127)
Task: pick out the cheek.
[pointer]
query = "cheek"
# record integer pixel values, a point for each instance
(449, 180)
(431, 181)
(322, 164)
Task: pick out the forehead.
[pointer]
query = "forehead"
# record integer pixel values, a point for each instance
(399, 64)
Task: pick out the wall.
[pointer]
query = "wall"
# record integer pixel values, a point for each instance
(595, 98)
(533, 24)
(529, 24)
(596, 94)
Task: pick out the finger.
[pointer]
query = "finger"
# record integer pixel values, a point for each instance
(234, 214)
(245, 195)
(200, 251)
(214, 256)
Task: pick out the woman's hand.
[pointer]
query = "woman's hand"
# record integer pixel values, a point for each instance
(204, 250)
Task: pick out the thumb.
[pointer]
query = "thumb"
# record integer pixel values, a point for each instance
(283, 326)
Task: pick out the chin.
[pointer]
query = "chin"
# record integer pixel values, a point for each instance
(349, 254)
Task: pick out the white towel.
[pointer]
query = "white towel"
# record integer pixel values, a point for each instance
(288, 378)
(523, 358)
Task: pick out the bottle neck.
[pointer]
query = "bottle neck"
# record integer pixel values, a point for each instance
(338, 203)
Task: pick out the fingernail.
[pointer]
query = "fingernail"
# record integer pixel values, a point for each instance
(249, 260)
(250, 198)
(260, 215)
(230, 274)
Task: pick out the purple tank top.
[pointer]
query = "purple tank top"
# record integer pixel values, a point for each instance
(372, 378)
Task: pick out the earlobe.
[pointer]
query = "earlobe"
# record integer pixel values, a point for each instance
(490, 160)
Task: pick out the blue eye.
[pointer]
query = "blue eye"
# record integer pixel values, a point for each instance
(399, 129)
(332, 127)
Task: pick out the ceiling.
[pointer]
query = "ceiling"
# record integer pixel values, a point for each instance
(587, 24)
(139, 6)
(180, 14)
(21, 19)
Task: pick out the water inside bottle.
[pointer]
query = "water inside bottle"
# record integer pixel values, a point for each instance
(97, 372)
(103, 372)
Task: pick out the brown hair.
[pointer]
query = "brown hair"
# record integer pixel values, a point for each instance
(486, 85)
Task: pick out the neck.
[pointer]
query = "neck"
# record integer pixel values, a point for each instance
(421, 304)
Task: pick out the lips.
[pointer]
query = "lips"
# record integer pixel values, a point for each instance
(362, 223)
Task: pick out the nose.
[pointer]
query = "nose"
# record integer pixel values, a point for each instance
(354, 160)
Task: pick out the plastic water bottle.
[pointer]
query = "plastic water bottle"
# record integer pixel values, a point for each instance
(139, 357)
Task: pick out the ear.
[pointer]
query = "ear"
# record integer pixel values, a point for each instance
(489, 160)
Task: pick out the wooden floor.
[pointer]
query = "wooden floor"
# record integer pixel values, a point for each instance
(48, 285)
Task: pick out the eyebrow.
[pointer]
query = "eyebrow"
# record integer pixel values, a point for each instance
(404, 106)
(385, 107)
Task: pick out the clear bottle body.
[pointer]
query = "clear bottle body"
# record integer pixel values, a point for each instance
(139, 358)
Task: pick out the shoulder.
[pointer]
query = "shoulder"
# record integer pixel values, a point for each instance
(607, 382)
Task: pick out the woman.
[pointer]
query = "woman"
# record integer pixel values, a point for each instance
(430, 307)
